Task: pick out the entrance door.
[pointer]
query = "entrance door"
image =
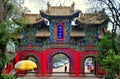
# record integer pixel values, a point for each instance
(89, 65)
(60, 63)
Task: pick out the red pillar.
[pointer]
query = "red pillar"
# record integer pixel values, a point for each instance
(44, 66)
(80, 61)
(16, 58)
(77, 64)
(96, 68)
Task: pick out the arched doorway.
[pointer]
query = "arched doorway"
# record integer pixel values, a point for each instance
(32, 55)
(69, 59)
(60, 63)
(48, 55)
(89, 65)
(34, 59)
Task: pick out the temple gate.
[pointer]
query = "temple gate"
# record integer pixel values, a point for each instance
(42, 39)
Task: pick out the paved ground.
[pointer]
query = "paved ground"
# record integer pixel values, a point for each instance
(60, 75)
(61, 69)
(58, 78)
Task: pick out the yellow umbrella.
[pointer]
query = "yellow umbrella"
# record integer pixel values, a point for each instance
(25, 65)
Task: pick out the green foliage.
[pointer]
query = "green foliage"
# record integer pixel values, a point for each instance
(108, 56)
(117, 41)
(111, 62)
(9, 29)
(5, 76)
(108, 76)
(8, 32)
(108, 62)
(104, 46)
(3, 33)
(13, 8)
(5, 59)
(59, 57)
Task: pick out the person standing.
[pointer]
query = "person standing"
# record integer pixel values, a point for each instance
(65, 68)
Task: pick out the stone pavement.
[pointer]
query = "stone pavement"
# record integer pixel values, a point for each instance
(60, 78)
(56, 76)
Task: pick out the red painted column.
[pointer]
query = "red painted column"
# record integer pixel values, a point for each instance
(81, 64)
(44, 63)
(16, 59)
(96, 68)
(77, 63)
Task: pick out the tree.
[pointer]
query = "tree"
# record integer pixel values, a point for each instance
(10, 9)
(59, 57)
(111, 63)
(8, 30)
(111, 7)
(117, 40)
(108, 57)
(104, 45)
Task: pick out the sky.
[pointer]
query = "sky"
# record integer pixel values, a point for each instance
(36, 5)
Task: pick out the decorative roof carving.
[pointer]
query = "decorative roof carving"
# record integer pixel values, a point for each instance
(70, 16)
(60, 10)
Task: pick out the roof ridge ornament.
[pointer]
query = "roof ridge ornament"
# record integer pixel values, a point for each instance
(72, 7)
(60, 5)
(48, 6)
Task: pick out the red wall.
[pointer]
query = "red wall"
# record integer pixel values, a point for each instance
(45, 59)
(30, 53)
(70, 53)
